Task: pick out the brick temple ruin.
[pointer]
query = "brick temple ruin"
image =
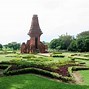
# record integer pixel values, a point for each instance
(34, 44)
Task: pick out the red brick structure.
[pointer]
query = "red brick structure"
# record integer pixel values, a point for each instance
(34, 45)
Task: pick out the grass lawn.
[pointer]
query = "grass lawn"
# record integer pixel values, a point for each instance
(35, 59)
(85, 76)
(30, 81)
(4, 58)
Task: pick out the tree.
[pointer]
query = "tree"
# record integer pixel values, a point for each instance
(54, 44)
(83, 34)
(83, 44)
(73, 46)
(87, 44)
(83, 41)
(13, 45)
(6, 46)
(1, 46)
(62, 42)
(65, 41)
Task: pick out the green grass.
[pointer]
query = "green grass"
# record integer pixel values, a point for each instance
(85, 61)
(30, 81)
(35, 59)
(85, 76)
(4, 58)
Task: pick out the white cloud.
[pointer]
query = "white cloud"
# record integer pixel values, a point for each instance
(56, 17)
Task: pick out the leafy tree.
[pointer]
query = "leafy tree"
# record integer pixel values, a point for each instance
(13, 45)
(83, 44)
(62, 42)
(73, 46)
(6, 46)
(1, 46)
(83, 41)
(83, 34)
(87, 43)
(54, 44)
(65, 41)
(58, 48)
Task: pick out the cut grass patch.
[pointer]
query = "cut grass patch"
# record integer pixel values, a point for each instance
(85, 76)
(30, 81)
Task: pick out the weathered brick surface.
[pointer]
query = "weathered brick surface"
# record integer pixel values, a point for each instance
(34, 45)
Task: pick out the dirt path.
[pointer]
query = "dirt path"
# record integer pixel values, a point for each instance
(77, 77)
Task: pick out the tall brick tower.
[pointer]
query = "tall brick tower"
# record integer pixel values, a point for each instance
(34, 44)
(35, 32)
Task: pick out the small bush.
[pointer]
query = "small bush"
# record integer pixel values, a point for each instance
(38, 71)
(57, 52)
(29, 70)
(7, 69)
(73, 59)
(3, 66)
(62, 56)
(66, 79)
(86, 55)
(82, 63)
(29, 56)
(81, 58)
(79, 68)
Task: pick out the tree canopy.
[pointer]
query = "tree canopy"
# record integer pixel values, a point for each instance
(83, 34)
(61, 43)
(13, 45)
(1, 46)
(54, 44)
(67, 42)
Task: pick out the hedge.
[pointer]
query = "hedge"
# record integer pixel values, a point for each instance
(56, 55)
(79, 68)
(3, 66)
(38, 71)
(7, 69)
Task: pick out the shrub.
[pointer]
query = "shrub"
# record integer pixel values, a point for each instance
(3, 66)
(70, 71)
(56, 55)
(86, 55)
(66, 79)
(74, 54)
(7, 69)
(82, 63)
(29, 56)
(38, 71)
(79, 68)
(30, 70)
(73, 59)
(57, 52)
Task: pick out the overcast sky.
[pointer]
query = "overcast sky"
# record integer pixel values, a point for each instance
(56, 17)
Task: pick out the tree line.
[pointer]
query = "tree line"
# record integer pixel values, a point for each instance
(80, 43)
(11, 46)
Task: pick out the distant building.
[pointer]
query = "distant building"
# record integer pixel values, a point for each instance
(34, 44)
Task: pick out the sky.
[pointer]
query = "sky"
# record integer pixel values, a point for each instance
(56, 17)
